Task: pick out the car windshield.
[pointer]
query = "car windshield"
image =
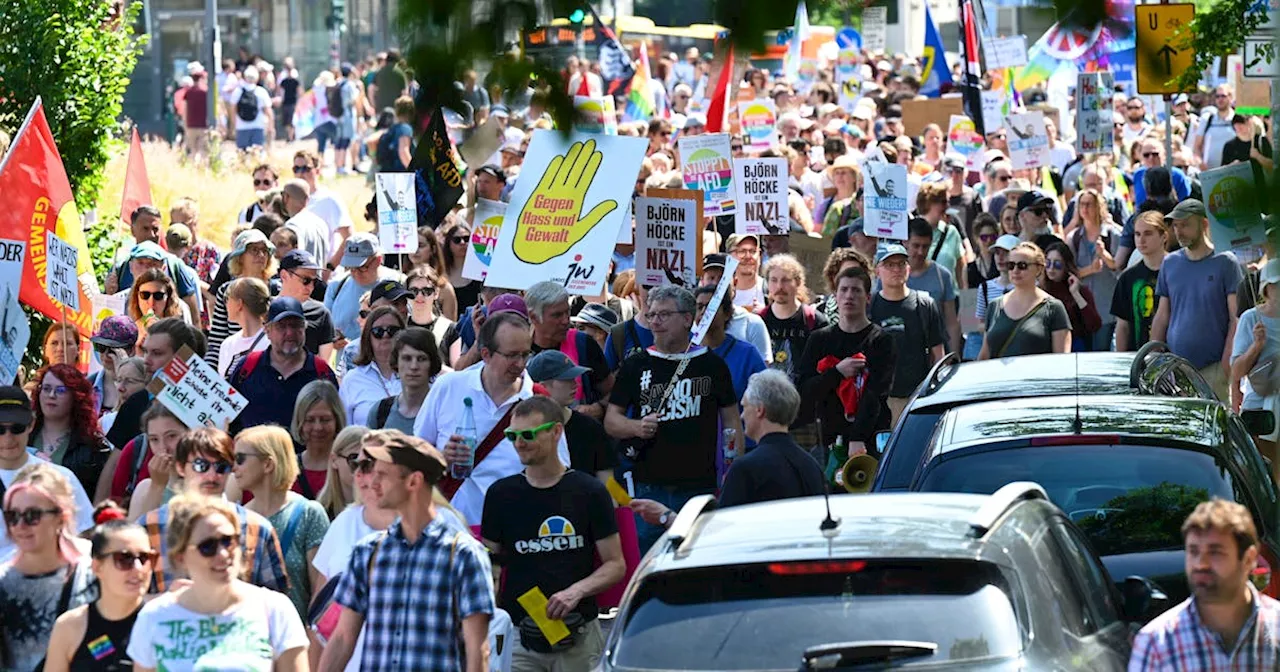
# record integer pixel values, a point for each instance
(900, 461)
(1126, 498)
(763, 617)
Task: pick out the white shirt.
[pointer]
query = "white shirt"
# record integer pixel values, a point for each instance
(234, 345)
(1061, 154)
(441, 414)
(331, 209)
(264, 105)
(748, 327)
(313, 233)
(1217, 132)
(84, 507)
(362, 388)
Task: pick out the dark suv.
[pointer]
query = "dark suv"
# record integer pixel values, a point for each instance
(1126, 469)
(999, 582)
(1152, 371)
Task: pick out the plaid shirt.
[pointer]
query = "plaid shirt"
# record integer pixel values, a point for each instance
(421, 592)
(1177, 640)
(259, 548)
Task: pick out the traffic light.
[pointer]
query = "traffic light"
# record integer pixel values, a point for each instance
(337, 18)
(577, 16)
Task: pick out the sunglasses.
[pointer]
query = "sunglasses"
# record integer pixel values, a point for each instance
(147, 296)
(986, 237)
(209, 547)
(306, 281)
(364, 314)
(356, 463)
(1150, 155)
(422, 291)
(458, 240)
(1054, 264)
(735, 148)
(301, 170)
(384, 332)
(15, 428)
(262, 183)
(527, 434)
(241, 458)
(1039, 212)
(1019, 265)
(102, 349)
(126, 561)
(28, 517)
(201, 465)
(1003, 178)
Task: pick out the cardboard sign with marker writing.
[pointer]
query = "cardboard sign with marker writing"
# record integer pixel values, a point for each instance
(193, 390)
(762, 196)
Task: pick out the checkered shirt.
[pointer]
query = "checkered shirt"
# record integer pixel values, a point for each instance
(1178, 640)
(421, 592)
(259, 548)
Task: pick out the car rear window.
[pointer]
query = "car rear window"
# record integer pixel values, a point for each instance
(1126, 498)
(754, 617)
(903, 457)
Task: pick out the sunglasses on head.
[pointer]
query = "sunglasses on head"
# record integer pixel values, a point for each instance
(527, 434)
(201, 465)
(13, 428)
(157, 295)
(209, 547)
(125, 561)
(301, 170)
(1018, 265)
(28, 517)
(384, 332)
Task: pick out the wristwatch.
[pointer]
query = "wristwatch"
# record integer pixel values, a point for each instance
(665, 519)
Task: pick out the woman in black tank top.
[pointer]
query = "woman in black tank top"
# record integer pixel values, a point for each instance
(94, 637)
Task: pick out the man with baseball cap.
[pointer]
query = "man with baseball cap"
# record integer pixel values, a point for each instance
(16, 420)
(362, 259)
(912, 319)
(489, 182)
(1196, 289)
(299, 275)
(591, 450)
(1036, 211)
(266, 377)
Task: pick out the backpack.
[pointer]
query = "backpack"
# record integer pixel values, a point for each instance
(247, 105)
(241, 372)
(383, 412)
(810, 315)
(333, 98)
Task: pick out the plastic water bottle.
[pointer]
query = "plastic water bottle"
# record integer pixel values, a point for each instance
(461, 469)
(730, 448)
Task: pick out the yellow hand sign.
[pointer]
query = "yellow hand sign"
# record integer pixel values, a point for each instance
(550, 223)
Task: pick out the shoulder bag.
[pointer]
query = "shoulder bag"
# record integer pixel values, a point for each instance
(1018, 325)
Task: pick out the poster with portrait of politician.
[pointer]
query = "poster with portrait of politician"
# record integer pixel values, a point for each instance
(1028, 140)
(885, 197)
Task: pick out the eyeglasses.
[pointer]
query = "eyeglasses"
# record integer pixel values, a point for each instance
(28, 517)
(897, 265)
(306, 281)
(125, 561)
(422, 291)
(209, 547)
(54, 391)
(746, 251)
(522, 356)
(201, 465)
(1055, 264)
(263, 183)
(15, 429)
(257, 249)
(241, 458)
(458, 240)
(662, 315)
(301, 170)
(527, 434)
(157, 295)
(384, 332)
(1019, 265)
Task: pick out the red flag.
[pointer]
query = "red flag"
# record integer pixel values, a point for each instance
(584, 86)
(137, 188)
(38, 201)
(719, 107)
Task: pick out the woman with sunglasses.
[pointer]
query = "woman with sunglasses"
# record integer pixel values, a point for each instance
(61, 345)
(247, 301)
(130, 378)
(253, 257)
(455, 235)
(1026, 320)
(346, 359)
(267, 467)
(218, 621)
(66, 430)
(115, 340)
(95, 636)
(429, 255)
(1062, 282)
(49, 574)
(339, 483)
(983, 267)
(318, 417)
(374, 377)
(153, 297)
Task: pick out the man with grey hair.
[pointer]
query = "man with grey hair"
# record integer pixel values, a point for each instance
(667, 409)
(778, 468)
(548, 304)
(252, 105)
(312, 231)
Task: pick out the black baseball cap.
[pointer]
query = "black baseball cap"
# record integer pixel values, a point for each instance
(297, 259)
(15, 406)
(716, 260)
(494, 171)
(1032, 199)
(390, 290)
(283, 307)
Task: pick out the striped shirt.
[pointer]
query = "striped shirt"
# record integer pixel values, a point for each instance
(259, 550)
(1178, 640)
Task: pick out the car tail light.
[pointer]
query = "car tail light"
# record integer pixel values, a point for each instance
(1261, 576)
(1076, 440)
(818, 567)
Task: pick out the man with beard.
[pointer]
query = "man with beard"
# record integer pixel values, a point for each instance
(278, 373)
(1226, 624)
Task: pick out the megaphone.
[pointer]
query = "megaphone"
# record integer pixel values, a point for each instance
(858, 473)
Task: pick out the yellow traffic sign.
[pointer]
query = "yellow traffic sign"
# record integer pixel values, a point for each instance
(1162, 54)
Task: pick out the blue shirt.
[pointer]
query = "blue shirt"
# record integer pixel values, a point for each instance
(635, 337)
(743, 360)
(1181, 185)
(269, 395)
(1197, 293)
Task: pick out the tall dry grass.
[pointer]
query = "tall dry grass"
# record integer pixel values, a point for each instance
(222, 194)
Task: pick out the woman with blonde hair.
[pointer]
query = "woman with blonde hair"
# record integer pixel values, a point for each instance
(247, 301)
(318, 416)
(339, 484)
(187, 629)
(253, 257)
(1094, 240)
(1026, 320)
(153, 297)
(267, 468)
(49, 573)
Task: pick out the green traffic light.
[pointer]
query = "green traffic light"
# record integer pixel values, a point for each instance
(577, 16)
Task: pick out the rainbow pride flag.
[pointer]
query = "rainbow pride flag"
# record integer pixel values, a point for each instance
(640, 103)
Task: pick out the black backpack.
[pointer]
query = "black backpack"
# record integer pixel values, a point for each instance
(247, 106)
(333, 98)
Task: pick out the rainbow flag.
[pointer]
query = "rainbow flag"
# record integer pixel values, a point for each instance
(640, 104)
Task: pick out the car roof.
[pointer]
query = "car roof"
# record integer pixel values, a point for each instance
(1034, 376)
(1166, 418)
(932, 525)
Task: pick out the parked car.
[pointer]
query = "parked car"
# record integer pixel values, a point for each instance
(939, 581)
(1126, 469)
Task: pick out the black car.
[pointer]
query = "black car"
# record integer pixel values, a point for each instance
(1126, 469)
(1152, 371)
(937, 581)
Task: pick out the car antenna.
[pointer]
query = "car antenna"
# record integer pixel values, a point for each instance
(1077, 427)
(830, 525)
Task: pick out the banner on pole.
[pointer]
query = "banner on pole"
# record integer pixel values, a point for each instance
(885, 199)
(1028, 140)
(1094, 132)
(397, 213)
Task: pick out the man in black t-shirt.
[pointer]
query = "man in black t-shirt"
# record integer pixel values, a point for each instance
(545, 527)
(914, 322)
(591, 450)
(668, 424)
(299, 273)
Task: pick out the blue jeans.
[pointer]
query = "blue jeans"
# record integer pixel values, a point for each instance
(324, 132)
(246, 138)
(669, 496)
(1103, 337)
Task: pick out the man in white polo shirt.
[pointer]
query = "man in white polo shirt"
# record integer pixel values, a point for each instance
(495, 387)
(15, 421)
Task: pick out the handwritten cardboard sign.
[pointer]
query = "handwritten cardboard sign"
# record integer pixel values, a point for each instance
(60, 273)
(193, 390)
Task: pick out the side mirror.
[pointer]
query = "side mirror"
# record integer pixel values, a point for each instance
(1143, 599)
(882, 441)
(1258, 422)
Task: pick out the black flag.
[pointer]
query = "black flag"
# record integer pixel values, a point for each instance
(439, 172)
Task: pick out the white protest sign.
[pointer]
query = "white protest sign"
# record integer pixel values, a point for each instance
(669, 237)
(484, 237)
(1094, 113)
(563, 217)
(1235, 220)
(1028, 140)
(1006, 52)
(485, 141)
(707, 166)
(60, 274)
(15, 333)
(884, 195)
(700, 329)
(963, 139)
(397, 213)
(759, 121)
(848, 91)
(874, 23)
(595, 115)
(762, 196)
(626, 236)
(107, 305)
(994, 107)
(193, 390)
